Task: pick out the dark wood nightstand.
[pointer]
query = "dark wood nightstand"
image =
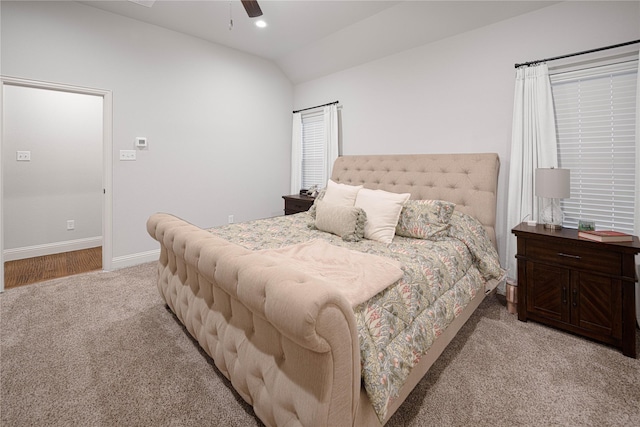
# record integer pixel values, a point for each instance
(296, 203)
(578, 285)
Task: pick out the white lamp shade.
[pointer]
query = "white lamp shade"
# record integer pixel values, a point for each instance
(553, 183)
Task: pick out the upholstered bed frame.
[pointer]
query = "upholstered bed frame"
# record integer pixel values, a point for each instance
(289, 347)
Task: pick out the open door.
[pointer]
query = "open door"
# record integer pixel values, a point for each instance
(55, 170)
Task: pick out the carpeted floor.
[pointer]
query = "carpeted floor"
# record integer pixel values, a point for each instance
(100, 349)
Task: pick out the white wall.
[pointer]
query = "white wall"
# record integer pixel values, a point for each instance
(63, 180)
(218, 121)
(456, 95)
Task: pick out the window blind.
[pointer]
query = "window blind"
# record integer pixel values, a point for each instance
(595, 111)
(313, 150)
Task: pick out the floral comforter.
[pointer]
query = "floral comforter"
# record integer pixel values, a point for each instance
(397, 326)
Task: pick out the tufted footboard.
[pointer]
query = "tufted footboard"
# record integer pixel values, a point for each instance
(288, 345)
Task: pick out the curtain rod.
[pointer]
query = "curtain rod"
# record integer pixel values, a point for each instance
(317, 106)
(526, 64)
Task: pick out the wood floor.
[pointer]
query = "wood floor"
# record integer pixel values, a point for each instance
(32, 270)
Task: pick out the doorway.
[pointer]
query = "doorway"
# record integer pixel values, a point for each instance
(55, 171)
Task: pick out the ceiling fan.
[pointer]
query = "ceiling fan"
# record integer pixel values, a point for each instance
(252, 7)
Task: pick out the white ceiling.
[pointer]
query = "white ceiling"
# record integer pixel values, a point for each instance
(308, 39)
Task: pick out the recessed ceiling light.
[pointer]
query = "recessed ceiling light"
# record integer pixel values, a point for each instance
(261, 24)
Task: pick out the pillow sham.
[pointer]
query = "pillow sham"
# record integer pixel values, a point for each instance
(341, 194)
(383, 210)
(425, 219)
(344, 221)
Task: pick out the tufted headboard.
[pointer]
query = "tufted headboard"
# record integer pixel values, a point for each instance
(468, 180)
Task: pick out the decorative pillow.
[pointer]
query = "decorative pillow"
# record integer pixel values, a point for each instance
(341, 194)
(344, 221)
(424, 219)
(383, 210)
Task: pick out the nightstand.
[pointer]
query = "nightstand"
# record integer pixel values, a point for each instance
(578, 285)
(296, 203)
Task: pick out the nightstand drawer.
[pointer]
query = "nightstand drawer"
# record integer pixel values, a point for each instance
(297, 203)
(595, 260)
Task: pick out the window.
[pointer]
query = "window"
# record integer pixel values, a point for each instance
(314, 146)
(313, 150)
(595, 112)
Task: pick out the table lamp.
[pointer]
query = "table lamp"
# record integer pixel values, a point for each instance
(552, 184)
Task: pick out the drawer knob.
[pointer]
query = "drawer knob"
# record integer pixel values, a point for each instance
(568, 255)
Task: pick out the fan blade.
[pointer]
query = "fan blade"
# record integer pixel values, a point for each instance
(252, 7)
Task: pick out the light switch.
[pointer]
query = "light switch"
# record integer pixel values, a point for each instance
(23, 156)
(127, 155)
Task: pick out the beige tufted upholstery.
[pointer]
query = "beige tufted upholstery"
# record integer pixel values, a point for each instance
(468, 180)
(289, 345)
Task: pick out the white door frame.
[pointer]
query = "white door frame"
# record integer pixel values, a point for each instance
(107, 160)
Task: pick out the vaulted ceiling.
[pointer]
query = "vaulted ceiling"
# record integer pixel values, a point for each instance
(310, 39)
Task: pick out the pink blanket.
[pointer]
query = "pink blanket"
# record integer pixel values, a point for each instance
(358, 276)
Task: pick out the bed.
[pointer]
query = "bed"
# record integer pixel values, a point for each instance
(292, 343)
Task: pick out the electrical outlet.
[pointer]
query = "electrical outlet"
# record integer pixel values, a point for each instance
(127, 155)
(71, 224)
(230, 219)
(23, 156)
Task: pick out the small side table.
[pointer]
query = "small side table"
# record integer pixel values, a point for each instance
(578, 285)
(297, 203)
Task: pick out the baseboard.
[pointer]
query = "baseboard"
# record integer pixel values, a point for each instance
(51, 248)
(134, 259)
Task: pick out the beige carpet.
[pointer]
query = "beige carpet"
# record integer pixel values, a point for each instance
(100, 349)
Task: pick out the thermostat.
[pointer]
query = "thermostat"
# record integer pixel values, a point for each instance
(141, 142)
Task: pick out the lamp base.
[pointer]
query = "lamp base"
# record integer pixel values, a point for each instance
(553, 226)
(551, 214)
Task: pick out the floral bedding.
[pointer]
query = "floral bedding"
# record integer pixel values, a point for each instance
(397, 326)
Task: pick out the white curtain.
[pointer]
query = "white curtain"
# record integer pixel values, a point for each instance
(636, 223)
(296, 154)
(533, 145)
(331, 133)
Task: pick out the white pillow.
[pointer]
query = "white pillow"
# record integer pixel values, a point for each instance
(341, 194)
(383, 210)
